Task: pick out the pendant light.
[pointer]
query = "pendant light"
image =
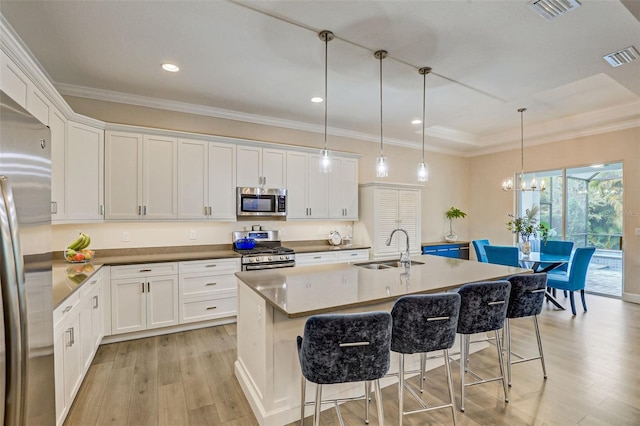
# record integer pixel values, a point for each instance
(507, 184)
(325, 159)
(423, 168)
(381, 162)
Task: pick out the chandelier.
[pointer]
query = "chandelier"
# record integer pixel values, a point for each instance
(507, 184)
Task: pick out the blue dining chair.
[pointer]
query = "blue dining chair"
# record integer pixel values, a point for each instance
(502, 255)
(478, 246)
(575, 278)
(559, 248)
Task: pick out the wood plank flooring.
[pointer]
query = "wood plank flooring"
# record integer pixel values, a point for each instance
(593, 365)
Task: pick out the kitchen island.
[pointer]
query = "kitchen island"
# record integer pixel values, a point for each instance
(273, 306)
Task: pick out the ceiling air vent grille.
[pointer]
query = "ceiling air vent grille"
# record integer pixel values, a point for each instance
(551, 9)
(622, 57)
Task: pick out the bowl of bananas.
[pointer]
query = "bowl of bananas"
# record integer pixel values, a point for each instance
(78, 251)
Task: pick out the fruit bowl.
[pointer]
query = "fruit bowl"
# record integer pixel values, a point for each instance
(79, 256)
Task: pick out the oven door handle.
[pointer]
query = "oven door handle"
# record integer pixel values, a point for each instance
(270, 266)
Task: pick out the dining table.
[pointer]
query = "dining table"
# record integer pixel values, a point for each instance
(544, 262)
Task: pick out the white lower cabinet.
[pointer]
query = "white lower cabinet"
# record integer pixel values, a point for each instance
(144, 296)
(336, 256)
(208, 289)
(78, 330)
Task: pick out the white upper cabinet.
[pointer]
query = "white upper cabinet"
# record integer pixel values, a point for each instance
(257, 166)
(343, 188)
(307, 187)
(206, 180)
(13, 81)
(84, 173)
(58, 126)
(141, 176)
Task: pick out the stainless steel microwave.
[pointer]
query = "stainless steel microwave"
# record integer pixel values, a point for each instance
(261, 202)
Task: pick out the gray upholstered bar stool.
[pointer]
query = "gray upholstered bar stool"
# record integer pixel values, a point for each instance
(344, 348)
(525, 300)
(421, 324)
(483, 308)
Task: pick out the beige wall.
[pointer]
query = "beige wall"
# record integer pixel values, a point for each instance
(490, 206)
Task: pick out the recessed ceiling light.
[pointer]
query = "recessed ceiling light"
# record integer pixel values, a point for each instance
(416, 121)
(316, 99)
(170, 67)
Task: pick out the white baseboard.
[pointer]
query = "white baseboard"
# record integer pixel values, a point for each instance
(631, 297)
(166, 330)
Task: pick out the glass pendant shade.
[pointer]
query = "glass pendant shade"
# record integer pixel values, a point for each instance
(325, 161)
(423, 172)
(382, 169)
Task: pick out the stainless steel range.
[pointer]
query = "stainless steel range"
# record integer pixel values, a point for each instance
(267, 253)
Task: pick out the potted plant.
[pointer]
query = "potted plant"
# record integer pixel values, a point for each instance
(526, 227)
(453, 213)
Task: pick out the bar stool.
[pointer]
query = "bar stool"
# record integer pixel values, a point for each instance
(344, 348)
(483, 308)
(421, 324)
(525, 300)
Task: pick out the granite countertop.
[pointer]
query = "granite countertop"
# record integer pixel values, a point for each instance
(308, 290)
(68, 277)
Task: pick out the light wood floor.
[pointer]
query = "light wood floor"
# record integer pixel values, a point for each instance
(593, 364)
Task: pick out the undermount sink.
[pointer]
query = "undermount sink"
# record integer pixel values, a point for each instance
(385, 264)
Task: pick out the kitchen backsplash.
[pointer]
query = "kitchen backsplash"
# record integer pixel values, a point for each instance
(111, 235)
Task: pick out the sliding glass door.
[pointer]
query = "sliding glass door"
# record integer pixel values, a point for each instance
(584, 205)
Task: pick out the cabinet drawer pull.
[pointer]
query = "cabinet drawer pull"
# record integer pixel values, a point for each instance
(145, 270)
(207, 284)
(317, 257)
(211, 308)
(67, 309)
(93, 282)
(353, 254)
(213, 265)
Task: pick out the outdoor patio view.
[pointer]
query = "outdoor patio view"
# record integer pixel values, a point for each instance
(589, 213)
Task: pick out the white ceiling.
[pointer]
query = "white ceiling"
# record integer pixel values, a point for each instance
(262, 61)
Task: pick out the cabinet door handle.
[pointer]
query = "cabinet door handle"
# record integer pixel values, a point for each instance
(139, 210)
(148, 287)
(69, 341)
(207, 284)
(211, 308)
(205, 210)
(142, 287)
(54, 207)
(95, 302)
(101, 209)
(144, 210)
(209, 210)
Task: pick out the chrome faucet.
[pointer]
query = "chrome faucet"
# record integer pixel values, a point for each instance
(405, 257)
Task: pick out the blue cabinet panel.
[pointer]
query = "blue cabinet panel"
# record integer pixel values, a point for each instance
(455, 250)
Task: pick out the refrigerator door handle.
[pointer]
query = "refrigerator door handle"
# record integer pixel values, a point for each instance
(12, 277)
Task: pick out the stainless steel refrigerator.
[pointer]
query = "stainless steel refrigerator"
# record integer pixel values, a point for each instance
(26, 326)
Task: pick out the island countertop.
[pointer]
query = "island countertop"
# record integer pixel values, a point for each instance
(309, 290)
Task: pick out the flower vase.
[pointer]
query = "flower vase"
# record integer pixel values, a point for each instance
(526, 248)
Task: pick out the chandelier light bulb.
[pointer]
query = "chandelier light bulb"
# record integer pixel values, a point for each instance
(325, 162)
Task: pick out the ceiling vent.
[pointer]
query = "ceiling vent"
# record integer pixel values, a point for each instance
(551, 9)
(622, 57)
